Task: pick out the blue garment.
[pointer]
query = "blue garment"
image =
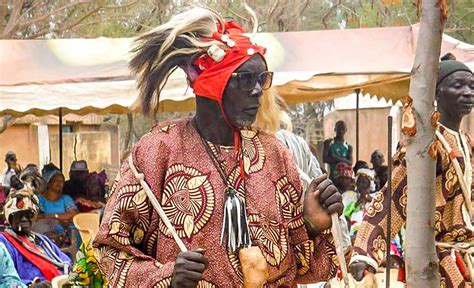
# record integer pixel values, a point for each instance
(60, 206)
(8, 275)
(26, 270)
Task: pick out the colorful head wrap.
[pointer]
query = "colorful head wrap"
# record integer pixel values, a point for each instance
(49, 171)
(343, 170)
(218, 64)
(20, 200)
(369, 173)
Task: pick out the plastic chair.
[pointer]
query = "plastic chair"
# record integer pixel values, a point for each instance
(87, 224)
(59, 281)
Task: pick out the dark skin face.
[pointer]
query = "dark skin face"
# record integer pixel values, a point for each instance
(241, 107)
(55, 187)
(79, 176)
(455, 97)
(363, 184)
(344, 184)
(363, 188)
(11, 161)
(22, 221)
(340, 130)
(377, 159)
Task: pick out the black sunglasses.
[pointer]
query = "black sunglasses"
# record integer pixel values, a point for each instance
(248, 80)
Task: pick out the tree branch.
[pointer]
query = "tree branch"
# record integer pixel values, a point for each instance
(329, 13)
(80, 20)
(461, 29)
(238, 15)
(272, 9)
(119, 6)
(108, 20)
(75, 27)
(305, 6)
(32, 7)
(13, 20)
(75, 4)
(46, 16)
(463, 16)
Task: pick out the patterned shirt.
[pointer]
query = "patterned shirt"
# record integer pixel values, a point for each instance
(134, 247)
(452, 224)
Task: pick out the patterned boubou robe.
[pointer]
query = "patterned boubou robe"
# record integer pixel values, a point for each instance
(453, 224)
(135, 249)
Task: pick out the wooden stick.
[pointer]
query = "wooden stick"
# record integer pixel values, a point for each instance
(337, 235)
(459, 173)
(156, 204)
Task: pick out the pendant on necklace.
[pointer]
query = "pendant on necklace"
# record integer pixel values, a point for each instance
(235, 224)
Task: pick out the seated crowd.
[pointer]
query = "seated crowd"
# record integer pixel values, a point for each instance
(359, 185)
(36, 219)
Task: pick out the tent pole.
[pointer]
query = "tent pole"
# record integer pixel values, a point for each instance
(357, 91)
(389, 202)
(61, 138)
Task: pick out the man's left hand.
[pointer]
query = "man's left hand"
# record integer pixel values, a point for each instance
(321, 200)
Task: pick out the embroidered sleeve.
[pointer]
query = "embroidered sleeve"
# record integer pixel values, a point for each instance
(370, 242)
(124, 246)
(313, 257)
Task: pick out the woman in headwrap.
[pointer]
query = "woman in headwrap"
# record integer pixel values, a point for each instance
(354, 209)
(36, 258)
(231, 194)
(53, 204)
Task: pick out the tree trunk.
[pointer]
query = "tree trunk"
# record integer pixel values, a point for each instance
(421, 259)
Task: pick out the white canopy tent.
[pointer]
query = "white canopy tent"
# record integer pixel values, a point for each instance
(83, 76)
(91, 75)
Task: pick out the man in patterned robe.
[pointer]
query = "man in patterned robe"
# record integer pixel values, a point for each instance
(454, 230)
(181, 160)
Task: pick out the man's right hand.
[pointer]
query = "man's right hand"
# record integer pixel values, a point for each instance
(358, 269)
(189, 268)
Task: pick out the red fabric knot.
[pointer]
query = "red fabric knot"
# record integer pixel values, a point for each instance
(214, 76)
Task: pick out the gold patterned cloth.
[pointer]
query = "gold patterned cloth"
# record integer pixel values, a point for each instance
(452, 223)
(134, 248)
